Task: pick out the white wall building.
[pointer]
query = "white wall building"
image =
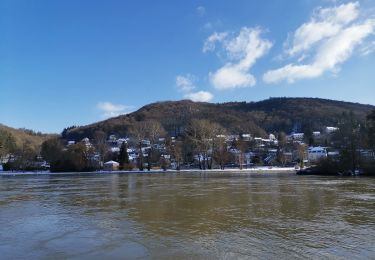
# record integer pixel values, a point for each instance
(330, 129)
(314, 154)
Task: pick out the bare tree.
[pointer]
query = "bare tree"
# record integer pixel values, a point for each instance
(153, 132)
(100, 143)
(138, 132)
(282, 143)
(221, 153)
(301, 153)
(241, 146)
(175, 149)
(203, 134)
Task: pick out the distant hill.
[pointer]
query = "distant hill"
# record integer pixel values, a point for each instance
(257, 118)
(24, 135)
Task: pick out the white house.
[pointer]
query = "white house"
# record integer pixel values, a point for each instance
(316, 153)
(330, 129)
(246, 137)
(71, 143)
(297, 136)
(112, 138)
(120, 141)
(111, 166)
(231, 138)
(114, 149)
(316, 134)
(85, 140)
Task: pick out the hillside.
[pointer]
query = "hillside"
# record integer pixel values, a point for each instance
(23, 135)
(258, 118)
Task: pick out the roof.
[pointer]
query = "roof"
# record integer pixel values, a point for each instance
(111, 162)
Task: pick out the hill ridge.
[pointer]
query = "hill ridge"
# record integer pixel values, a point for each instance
(256, 117)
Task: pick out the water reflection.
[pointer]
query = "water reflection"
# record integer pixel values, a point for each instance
(187, 216)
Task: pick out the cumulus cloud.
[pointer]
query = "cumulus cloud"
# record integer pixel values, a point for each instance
(200, 96)
(325, 23)
(231, 76)
(185, 83)
(210, 43)
(330, 37)
(109, 109)
(241, 51)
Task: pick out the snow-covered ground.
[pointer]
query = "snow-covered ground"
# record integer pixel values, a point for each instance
(263, 169)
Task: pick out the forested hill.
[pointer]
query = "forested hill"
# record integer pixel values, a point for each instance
(257, 118)
(20, 137)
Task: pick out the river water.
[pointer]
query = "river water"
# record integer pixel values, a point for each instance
(186, 216)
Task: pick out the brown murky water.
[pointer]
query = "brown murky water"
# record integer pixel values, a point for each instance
(185, 216)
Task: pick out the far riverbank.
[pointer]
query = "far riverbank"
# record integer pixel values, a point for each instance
(254, 170)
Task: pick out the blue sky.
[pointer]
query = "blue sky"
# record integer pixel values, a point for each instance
(75, 62)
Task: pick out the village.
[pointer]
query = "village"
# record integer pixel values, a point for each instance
(240, 151)
(202, 145)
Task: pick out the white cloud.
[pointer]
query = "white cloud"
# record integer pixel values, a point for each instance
(185, 83)
(200, 96)
(325, 23)
(331, 36)
(231, 76)
(109, 109)
(201, 10)
(210, 43)
(242, 52)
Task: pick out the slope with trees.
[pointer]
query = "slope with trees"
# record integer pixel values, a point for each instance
(257, 118)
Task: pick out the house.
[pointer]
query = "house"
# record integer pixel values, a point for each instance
(71, 143)
(314, 154)
(114, 149)
(330, 129)
(120, 141)
(112, 138)
(146, 142)
(111, 166)
(296, 136)
(246, 137)
(86, 142)
(316, 134)
(231, 138)
(258, 141)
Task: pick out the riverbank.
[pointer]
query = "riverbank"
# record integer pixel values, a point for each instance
(255, 170)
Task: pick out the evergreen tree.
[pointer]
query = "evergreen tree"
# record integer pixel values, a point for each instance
(371, 129)
(123, 157)
(140, 160)
(347, 140)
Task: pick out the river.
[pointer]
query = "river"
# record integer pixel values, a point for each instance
(186, 216)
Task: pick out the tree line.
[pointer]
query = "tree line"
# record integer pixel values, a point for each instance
(201, 144)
